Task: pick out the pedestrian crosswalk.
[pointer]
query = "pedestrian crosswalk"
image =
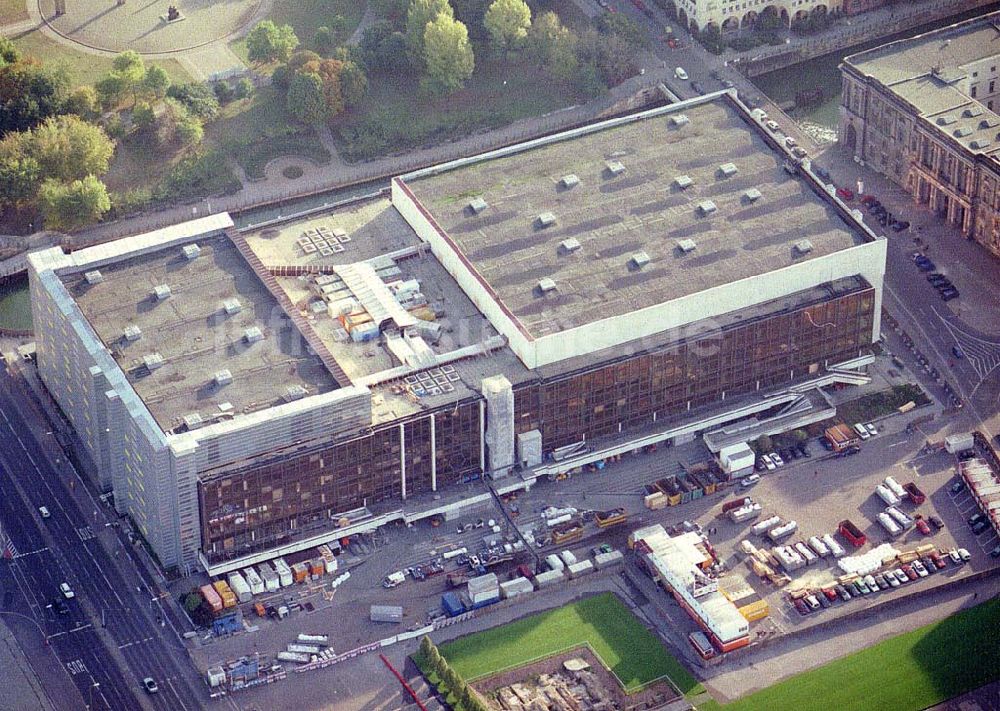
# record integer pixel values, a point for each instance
(85, 533)
(982, 355)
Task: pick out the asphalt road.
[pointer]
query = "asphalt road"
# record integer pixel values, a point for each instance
(65, 547)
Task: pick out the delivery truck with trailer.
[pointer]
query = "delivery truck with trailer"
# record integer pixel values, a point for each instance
(385, 613)
(254, 581)
(270, 578)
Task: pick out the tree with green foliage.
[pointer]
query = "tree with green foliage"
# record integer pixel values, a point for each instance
(324, 41)
(508, 21)
(156, 82)
(68, 148)
(70, 206)
(631, 32)
(353, 84)
(83, 102)
(473, 14)
(29, 94)
(8, 52)
(418, 17)
(383, 49)
(268, 42)
(19, 177)
(470, 699)
(764, 444)
(244, 88)
(198, 97)
(452, 680)
(130, 69)
(110, 90)
(391, 11)
(425, 648)
(552, 46)
(306, 101)
(329, 71)
(447, 54)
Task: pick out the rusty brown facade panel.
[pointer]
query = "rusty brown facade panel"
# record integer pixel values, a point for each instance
(265, 503)
(737, 360)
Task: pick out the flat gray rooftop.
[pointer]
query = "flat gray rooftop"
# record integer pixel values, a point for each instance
(194, 335)
(641, 209)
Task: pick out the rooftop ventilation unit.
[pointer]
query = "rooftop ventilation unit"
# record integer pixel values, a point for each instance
(569, 245)
(963, 131)
(132, 333)
(640, 259)
(546, 285)
(678, 120)
(94, 277)
(568, 181)
(980, 143)
(686, 245)
(728, 170)
(546, 219)
(223, 377)
(989, 123)
(973, 112)
(232, 306)
(294, 392)
(477, 205)
(683, 181)
(752, 195)
(706, 207)
(946, 120)
(161, 292)
(803, 246)
(153, 361)
(191, 251)
(614, 167)
(253, 335)
(192, 421)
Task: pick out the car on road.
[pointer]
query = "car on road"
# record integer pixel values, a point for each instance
(681, 74)
(799, 152)
(849, 452)
(964, 555)
(749, 481)
(936, 522)
(790, 142)
(66, 591)
(44, 512)
(59, 606)
(149, 684)
(949, 294)
(957, 352)
(942, 285)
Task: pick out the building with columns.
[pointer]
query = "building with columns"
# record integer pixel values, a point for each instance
(250, 393)
(733, 15)
(923, 112)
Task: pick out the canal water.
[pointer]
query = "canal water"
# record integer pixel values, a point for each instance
(820, 120)
(15, 306)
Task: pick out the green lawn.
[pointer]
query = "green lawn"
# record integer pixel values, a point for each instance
(882, 403)
(909, 672)
(396, 116)
(634, 655)
(83, 68)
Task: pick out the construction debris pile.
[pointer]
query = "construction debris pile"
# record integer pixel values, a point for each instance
(574, 688)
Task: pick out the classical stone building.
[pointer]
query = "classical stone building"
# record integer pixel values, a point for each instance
(922, 111)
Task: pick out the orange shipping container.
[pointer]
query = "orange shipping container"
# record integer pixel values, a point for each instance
(211, 597)
(300, 572)
(317, 567)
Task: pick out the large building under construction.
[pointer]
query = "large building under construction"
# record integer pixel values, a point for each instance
(251, 392)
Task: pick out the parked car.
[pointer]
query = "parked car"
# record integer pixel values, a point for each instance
(955, 557)
(44, 512)
(801, 606)
(923, 526)
(681, 74)
(899, 225)
(938, 560)
(871, 583)
(868, 200)
(919, 567)
(66, 591)
(778, 461)
(964, 555)
(699, 89)
(825, 443)
(949, 294)
(957, 486)
(901, 577)
(910, 572)
(890, 577)
(976, 518)
(773, 126)
(862, 431)
(995, 553)
(149, 684)
(749, 481)
(871, 429)
(804, 449)
(768, 463)
(861, 586)
(790, 142)
(830, 593)
(845, 193)
(980, 527)
(929, 564)
(943, 285)
(799, 152)
(759, 465)
(842, 592)
(821, 172)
